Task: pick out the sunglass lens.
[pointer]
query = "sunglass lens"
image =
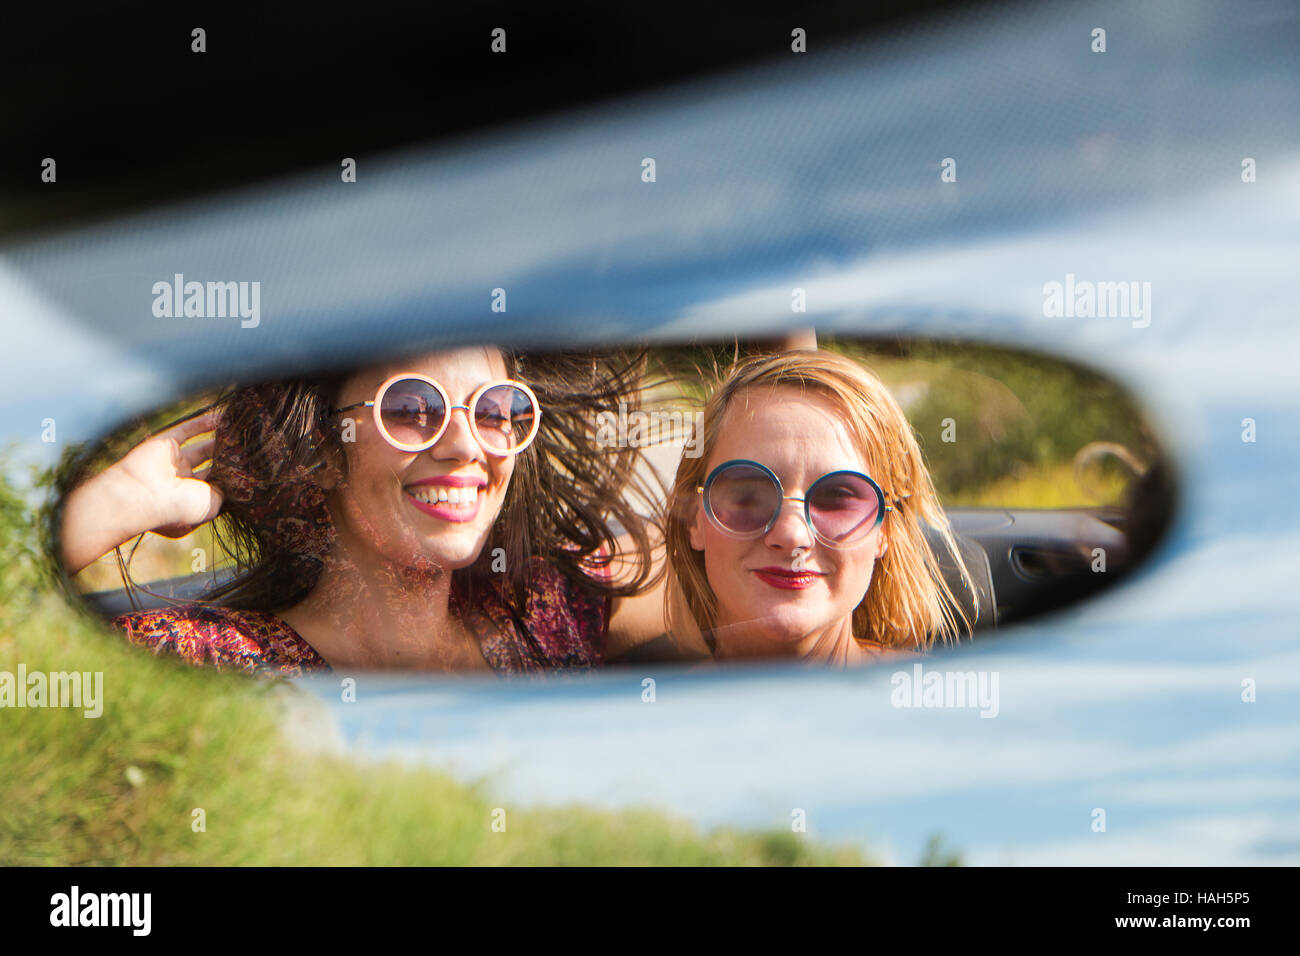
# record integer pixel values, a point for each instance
(843, 507)
(412, 412)
(743, 499)
(504, 416)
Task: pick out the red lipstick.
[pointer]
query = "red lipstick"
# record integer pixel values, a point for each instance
(786, 579)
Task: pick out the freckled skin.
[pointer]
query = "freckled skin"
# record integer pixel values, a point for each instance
(800, 436)
(383, 600)
(373, 516)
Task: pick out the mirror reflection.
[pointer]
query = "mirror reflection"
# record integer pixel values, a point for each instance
(818, 500)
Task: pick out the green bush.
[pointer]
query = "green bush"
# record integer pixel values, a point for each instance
(1017, 415)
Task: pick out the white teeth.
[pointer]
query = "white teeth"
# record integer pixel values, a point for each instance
(436, 494)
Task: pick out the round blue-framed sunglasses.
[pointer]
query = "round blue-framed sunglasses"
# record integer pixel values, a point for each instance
(744, 498)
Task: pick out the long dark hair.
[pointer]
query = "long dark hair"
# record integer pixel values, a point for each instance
(569, 501)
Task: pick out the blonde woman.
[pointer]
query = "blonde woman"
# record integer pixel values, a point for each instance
(799, 531)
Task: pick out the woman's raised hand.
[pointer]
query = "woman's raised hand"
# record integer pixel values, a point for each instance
(159, 486)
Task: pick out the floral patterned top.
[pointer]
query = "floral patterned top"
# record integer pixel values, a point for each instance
(563, 627)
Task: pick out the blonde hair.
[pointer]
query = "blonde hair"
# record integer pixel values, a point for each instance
(908, 604)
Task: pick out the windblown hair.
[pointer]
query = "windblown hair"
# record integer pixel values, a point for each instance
(908, 604)
(567, 501)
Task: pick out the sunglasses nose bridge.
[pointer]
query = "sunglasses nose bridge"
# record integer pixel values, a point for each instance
(779, 530)
(470, 428)
(450, 441)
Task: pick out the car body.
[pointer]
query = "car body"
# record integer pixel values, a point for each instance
(1170, 703)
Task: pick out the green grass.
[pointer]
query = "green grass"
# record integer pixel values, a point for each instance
(1047, 486)
(121, 789)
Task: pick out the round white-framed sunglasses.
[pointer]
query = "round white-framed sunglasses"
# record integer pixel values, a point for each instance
(413, 411)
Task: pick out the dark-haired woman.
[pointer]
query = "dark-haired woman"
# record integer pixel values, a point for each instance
(431, 513)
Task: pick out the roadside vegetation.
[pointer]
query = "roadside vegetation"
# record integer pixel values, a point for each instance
(998, 428)
(121, 789)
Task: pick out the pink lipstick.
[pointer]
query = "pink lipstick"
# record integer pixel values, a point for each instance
(454, 498)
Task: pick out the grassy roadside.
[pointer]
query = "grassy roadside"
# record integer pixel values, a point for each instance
(121, 789)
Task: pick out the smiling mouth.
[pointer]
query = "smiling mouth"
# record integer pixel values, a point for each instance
(447, 502)
(786, 580)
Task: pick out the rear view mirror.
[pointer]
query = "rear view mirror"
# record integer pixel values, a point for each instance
(983, 485)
